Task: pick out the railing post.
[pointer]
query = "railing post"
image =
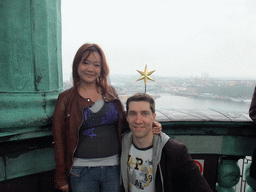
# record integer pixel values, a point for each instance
(228, 175)
(250, 181)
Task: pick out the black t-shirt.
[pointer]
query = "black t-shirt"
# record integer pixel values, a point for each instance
(98, 134)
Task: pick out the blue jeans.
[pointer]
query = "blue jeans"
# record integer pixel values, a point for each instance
(95, 179)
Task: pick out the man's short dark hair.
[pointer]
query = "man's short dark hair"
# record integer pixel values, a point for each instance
(141, 97)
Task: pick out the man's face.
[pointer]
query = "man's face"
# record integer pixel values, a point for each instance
(140, 119)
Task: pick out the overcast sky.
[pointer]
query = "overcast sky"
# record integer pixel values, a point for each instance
(173, 37)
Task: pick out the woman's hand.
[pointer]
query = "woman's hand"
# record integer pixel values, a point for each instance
(157, 128)
(65, 188)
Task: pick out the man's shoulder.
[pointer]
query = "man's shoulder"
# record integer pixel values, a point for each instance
(127, 137)
(174, 146)
(126, 133)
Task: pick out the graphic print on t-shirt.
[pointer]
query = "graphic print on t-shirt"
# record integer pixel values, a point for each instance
(89, 132)
(107, 115)
(140, 169)
(98, 137)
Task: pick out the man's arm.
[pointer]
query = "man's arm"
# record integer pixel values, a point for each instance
(252, 110)
(182, 169)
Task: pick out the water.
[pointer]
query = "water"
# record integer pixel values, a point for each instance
(167, 101)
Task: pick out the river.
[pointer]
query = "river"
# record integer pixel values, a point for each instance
(167, 101)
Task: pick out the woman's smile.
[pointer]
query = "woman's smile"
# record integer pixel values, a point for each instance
(89, 69)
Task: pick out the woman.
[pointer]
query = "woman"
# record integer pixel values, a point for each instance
(87, 127)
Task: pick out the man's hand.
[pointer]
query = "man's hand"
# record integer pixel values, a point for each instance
(65, 188)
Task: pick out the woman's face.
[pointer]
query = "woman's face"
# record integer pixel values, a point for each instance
(90, 69)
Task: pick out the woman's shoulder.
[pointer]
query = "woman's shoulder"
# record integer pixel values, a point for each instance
(111, 88)
(111, 92)
(67, 94)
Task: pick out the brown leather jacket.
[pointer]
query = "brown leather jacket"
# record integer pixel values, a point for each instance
(67, 120)
(252, 111)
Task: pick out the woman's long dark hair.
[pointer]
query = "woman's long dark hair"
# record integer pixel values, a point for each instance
(84, 52)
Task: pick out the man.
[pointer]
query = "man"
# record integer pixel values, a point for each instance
(155, 162)
(252, 114)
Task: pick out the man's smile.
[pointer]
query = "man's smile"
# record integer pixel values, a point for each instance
(139, 128)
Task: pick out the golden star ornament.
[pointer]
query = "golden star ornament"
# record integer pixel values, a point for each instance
(146, 75)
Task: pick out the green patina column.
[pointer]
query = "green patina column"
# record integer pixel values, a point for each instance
(30, 64)
(30, 82)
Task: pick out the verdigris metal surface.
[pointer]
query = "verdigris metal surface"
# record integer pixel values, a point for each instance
(30, 82)
(210, 131)
(30, 63)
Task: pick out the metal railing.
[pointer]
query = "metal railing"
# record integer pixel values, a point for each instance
(242, 163)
